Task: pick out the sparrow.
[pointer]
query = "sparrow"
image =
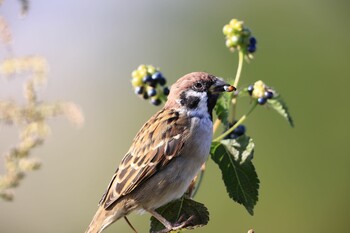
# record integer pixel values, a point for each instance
(165, 155)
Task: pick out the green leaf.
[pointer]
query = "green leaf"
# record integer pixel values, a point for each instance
(222, 107)
(241, 148)
(280, 106)
(183, 208)
(238, 172)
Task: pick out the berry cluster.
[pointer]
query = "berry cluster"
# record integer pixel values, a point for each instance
(149, 83)
(237, 132)
(261, 92)
(239, 37)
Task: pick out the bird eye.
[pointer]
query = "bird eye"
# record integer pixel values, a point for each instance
(198, 86)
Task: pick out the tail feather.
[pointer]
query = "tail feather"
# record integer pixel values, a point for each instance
(102, 219)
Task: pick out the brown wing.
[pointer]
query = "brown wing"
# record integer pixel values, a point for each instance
(154, 146)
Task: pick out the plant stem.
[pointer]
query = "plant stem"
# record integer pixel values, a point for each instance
(240, 121)
(233, 99)
(239, 69)
(199, 182)
(216, 125)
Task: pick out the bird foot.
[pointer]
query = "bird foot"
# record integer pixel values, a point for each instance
(181, 223)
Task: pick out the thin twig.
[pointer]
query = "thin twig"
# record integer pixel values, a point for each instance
(201, 175)
(233, 99)
(216, 125)
(239, 69)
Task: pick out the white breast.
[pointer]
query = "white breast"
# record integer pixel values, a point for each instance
(197, 146)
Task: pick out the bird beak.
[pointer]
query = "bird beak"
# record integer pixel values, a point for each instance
(221, 86)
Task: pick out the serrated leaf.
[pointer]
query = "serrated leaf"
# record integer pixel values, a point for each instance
(181, 210)
(240, 178)
(280, 106)
(241, 148)
(221, 108)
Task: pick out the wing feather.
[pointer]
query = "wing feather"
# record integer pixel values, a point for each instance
(154, 146)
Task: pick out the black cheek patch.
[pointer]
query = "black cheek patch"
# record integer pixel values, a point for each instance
(190, 102)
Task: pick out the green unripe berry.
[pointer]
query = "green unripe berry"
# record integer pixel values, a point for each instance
(235, 40)
(135, 74)
(227, 30)
(229, 43)
(233, 22)
(151, 69)
(142, 70)
(238, 37)
(143, 73)
(142, 67)
(238, 27)
(135, 82)
(259, 89)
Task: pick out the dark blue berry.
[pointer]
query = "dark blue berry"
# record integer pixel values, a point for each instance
(239, 131)
(268, 94)
(139, 90)
(262, 100)
(162, 81)
(166, 91)
(152, 92)
(152, 83)
(145, 95)
(251, 48)
(231, 136)
(158, 77)
(156, 101)
(250, 89)
(147, 79)
(252, 40)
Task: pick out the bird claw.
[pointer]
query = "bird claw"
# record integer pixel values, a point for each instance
(182, 218)
(179, 225)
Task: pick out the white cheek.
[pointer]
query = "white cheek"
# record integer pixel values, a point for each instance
(202, 107)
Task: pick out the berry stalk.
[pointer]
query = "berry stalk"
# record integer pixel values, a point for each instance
(239, 68)
(233, 99)
(239, 122)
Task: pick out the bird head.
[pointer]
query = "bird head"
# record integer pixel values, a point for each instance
(197, 93)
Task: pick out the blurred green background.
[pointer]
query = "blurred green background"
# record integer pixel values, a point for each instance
(92, 47)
